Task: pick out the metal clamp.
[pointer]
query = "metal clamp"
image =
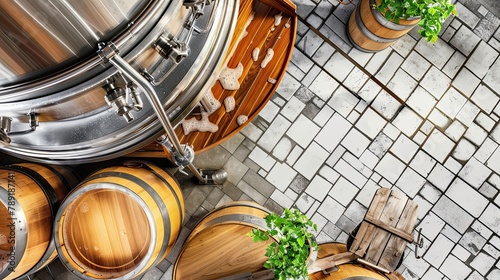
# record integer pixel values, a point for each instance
(6, 126)
(419, 243)
(108, 53)
(119, 94)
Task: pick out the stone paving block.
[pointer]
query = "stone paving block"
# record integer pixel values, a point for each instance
(369, 159)
(238, 169)
(355, 142)
(288, 86)
(324, 52)
(355, 163)
(323, 116)
(423, 163)
(454, 268)
(386, 105)
(487, 26)
(465, 40)
(438, 53)
(252, 132)
(293, 108)
(453, 165)
(302, 131)
(454, 64)
(369, 91)
(318, 188)
(304, 202)
(336, 62)
(468, 113)
(324, 85)
(485, 121)
(432, 274)
(451, 103)
(333, 132)
(390, 67)
(438, 145)
(283, 149)
(461, 253)
(455, 130)
(481, 59)
(262, 158)
(355, 80)
(380, 145)
(467, 197)
(370, 123)
(378, 60)
(390, 167)
(391, 131)
(452, 214)
(417, 266)
(491, 78)
(490, 218)
(311, 76)
(339, 41)
(464, 150)
(431, 226)
(281, 175)
(421, 101)
(360, 57)
(488, 190)
(437, 118)
(467, 16)
(343, 101)
(439, 250)
(407, 121)
(466, 82)
(410, 182)
(485, 99)
(476, 134)
(404, 148)
(303, 62)
(484, 231)
(332, 230)
(404, 45)
(472, 241)
(331, 209)
(415, 65)
(351, 174)
(281, 199)
(491, 250)
(343, 191)
(474, 173)
(402, 84)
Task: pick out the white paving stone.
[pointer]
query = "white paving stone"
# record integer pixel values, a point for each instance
(331, 209)
(302, 131)
(476, 134)
(466, 82)
(421, 101)
(467, 197)
(273, 134)
(311, 160)
(410, 182)
(485, 121)
(435, 82)
(262, 158)
(407, 121)
(289, 85)
(485, 99)
(343, 191)
(455, 269)
(452, 214)
(281, 175)
(464, 150)
(483, 263)
(390, 168)
(455, 130)
(491, 78)
(385, 105)
(293, 108)
(451, 103)
(350, 173)
(481, 59)
(319, 88)
(441, 177)
(468, 113)
(423, 163)
(490, 218)
(404, 148)
(439, 250)
(343, 101)
(475, 173)
(370, 123)
(486, 150)
(355, 142)
(438, 145)
(333, 132)
(402, 84)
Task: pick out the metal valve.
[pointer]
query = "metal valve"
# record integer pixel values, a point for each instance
(117, 96)
(5, 125)
(171, 48)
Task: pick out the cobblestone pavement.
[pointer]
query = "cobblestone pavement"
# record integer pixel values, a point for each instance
(331, 136)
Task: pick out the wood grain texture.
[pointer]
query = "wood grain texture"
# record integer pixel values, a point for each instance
(346, 270)
(32, 200)
(375, 28)
(255, 89)
(219, 246)
(104, 232)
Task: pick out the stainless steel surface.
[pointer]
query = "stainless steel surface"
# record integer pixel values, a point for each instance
(76, 123)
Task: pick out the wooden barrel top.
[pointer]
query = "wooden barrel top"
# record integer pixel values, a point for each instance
(256, 83)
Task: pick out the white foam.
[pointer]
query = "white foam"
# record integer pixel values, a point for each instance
(228, 77)
(255, 54)
(213, 103)
(277, 19)
(241, 119)
(203, 125)
(229, 103)
(271, 81)
(267, 58)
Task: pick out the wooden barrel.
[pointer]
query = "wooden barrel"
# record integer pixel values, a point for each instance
(119, 221)
(348, 270)
(219, 246)
(30, 196)
(370, 31)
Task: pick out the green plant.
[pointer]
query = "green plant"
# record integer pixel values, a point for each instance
(288, 256)
(432, 14)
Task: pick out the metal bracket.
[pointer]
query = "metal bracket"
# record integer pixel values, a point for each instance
(6, 126)
(108, 52)
(119, 94)
(419, 243)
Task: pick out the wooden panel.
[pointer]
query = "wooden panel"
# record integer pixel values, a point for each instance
(366, 231)
(255, 89)
(396, 245)
(390, 216)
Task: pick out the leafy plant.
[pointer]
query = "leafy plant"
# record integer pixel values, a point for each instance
(288, 256)
(432, 14)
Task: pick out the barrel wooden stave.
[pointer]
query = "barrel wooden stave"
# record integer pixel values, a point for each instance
(371, 33)
(345, 271)
(219, 247)
(148, 212)
(38, 191)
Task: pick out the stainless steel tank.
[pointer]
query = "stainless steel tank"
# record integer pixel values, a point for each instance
(62, 101)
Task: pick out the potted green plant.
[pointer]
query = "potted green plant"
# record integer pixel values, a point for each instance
(288, 256)
(377, 24)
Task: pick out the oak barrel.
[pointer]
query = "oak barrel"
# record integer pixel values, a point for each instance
(348, 270)
(370, 31)
(30, 196)
(119, 221)
(219, 246)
